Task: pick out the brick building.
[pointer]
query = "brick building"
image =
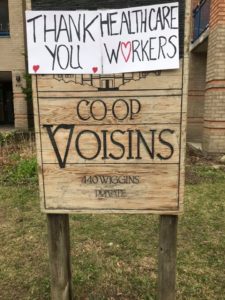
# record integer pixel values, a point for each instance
(206, 105)
(13, 106)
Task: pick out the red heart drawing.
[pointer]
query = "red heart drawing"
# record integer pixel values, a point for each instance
(36, 68)
(126, 50)
(95, 69)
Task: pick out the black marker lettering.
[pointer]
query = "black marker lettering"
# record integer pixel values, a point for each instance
(63, 28)
(173, 11)
(135, 50)
(65, 57)
(144, 21)
(76, 27)
(49, 29)
(104, 22)
(125, 22)
(114, 55)
(173, 45)
(78, 57)
(86, 28)
(166, 13)
(34, 26)
(53, 54)
(151, 49)
(111, 22)
(162, 44)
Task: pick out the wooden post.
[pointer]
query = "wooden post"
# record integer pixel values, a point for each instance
(59, 256)
(167, 258)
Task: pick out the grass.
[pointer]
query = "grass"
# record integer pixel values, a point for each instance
(113, 256)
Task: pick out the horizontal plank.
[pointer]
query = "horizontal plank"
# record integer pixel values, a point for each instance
(175, 212)
(111, 110)
(98, 188)
(143, 144)
(168, 79)
(108, 94)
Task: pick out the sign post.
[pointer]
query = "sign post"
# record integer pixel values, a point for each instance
(110, 104)
(59, 256)
(167, 258)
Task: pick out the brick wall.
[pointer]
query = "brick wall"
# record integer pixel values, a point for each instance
(214, 109)
(12, 48)
(12, 58)
(217, 16)
(196, 95)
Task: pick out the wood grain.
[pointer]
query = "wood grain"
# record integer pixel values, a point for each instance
(167, 257)
(164, 80)
(58, 111)
(66, 189)
(59, 257)
(89, 147)
(162, 106)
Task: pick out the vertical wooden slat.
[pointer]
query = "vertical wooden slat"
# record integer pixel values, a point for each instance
(167, 258)
(59, 256)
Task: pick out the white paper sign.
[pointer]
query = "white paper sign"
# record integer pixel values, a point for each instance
(63, 42)
(102, 42)
(141, 39)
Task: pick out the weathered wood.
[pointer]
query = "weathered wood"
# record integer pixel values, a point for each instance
(59, 257)
(188, 19)
(168, 80)
(126, 194)
(88, 144)
(167, 258)
(160, 97)
(56, 111)
(160, 103)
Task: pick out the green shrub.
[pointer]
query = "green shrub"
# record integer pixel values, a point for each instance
(6, 137)
(22, 171)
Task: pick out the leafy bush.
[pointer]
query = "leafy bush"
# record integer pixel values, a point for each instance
(6, 137)
(27, 91)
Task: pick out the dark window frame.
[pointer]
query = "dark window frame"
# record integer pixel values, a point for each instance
(4, 18)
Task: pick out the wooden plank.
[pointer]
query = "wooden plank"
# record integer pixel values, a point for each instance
(59, 257)
(94, 145)
(95, 187)
(188, 17)
(102, 94)
(139, 110)
(167, 258)
(38, 140)
(164, 80)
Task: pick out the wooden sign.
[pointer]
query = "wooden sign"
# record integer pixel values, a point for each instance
(112, 143)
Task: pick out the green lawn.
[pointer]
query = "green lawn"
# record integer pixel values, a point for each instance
(113, 256)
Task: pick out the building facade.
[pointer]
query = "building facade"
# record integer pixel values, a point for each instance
(14, 109)
(206, 106)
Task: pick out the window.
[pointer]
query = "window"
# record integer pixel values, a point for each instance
(4, 18)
